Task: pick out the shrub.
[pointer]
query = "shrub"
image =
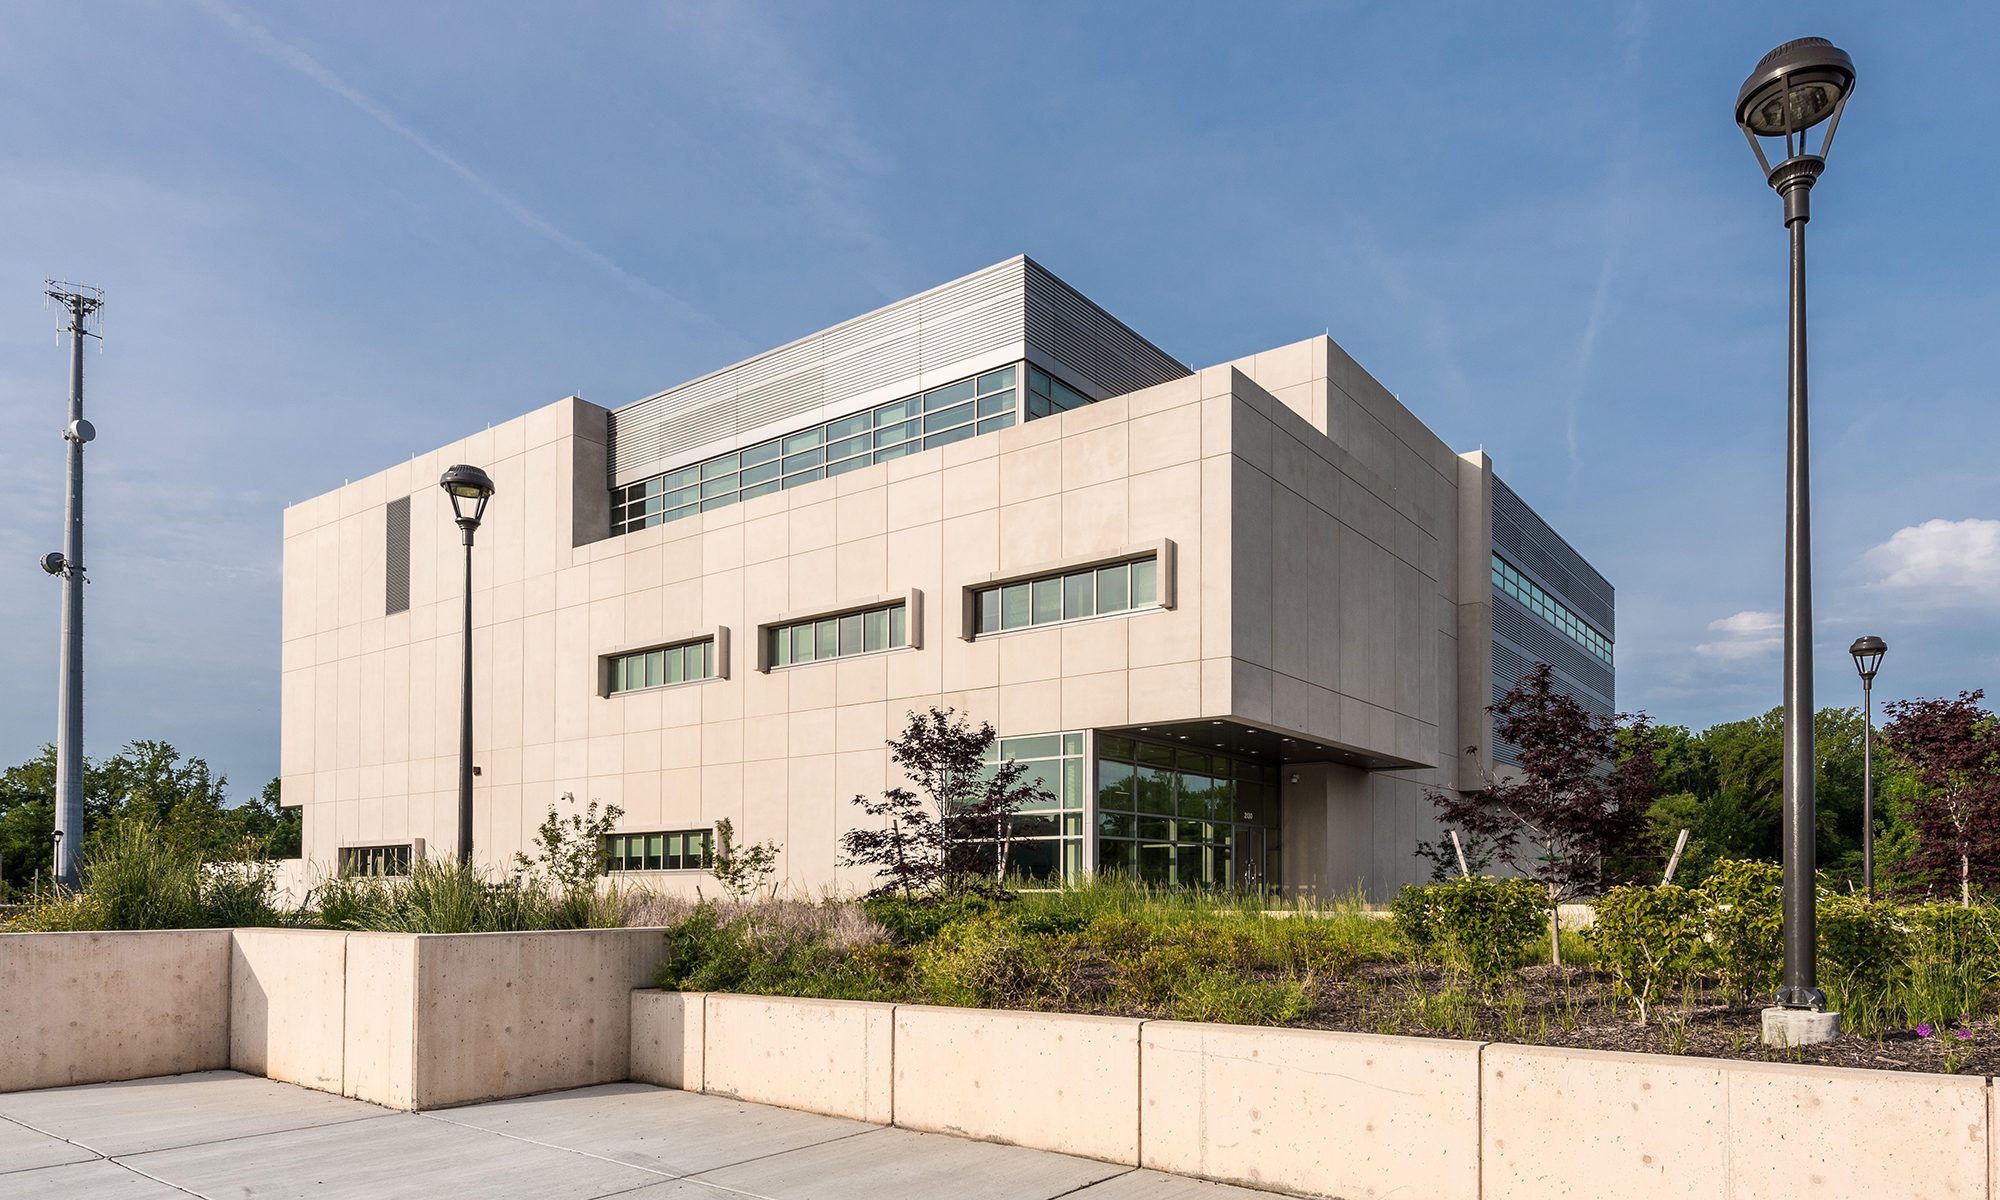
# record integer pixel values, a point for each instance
(1410, 913)
(914, 921)
(1744, 914)
(745, 870)
(1864, 961)
(568, 867)
(1478, 927)
(790, 948)
(1650, 938)
(989, 964)
(59, 913)
(703, 955)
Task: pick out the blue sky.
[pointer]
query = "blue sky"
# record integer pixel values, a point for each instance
(335, 235)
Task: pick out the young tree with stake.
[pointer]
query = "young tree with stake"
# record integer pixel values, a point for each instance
(1575, 802)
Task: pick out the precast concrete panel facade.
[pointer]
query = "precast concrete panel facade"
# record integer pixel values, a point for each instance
(1310, 653)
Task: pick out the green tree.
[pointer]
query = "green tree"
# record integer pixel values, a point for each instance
(178, 797)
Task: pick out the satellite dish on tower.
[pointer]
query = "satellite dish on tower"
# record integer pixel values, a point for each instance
(81, 430)
(53, 562)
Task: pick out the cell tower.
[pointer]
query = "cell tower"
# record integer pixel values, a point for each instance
(80, 308)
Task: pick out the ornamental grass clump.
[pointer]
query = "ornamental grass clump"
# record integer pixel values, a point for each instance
(135, 875)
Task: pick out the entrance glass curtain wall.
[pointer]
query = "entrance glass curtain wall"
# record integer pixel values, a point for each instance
(1168, 815)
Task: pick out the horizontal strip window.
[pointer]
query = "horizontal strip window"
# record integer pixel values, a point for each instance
(381, 862)
(661, 666)
(1548, 608)
(842, 635)
(1048, 395)
(676, 850)
(981, 404)
(1068, 596)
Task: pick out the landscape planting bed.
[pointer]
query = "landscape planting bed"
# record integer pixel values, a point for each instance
(1573, 1007)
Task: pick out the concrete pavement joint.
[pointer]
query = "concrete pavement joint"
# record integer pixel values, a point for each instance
(57, 1136)
(668, 1175)
(696, 1177)
(1084, 1187)
(125, 1166)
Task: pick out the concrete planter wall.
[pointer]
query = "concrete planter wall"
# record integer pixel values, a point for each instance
(426, 1021)
(89, 1007)
(405, 1020)
(1339, 1114)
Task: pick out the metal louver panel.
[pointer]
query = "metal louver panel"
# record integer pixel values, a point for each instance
(1531, 543)
(396, 565)
(1089, 347)
(1007, 312)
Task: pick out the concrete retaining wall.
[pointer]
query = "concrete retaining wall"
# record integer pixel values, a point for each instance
(510, 1014)
(91, 1007)
(404, 1020)
(1342, 1114)
(830, 1056)
(287, 1005)
(668, 1031)
(1053, 1081)
(1593, 1123)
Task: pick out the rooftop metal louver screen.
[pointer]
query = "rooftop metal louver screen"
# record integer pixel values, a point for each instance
(1529, 541)
(396, 565)
(1008, 312)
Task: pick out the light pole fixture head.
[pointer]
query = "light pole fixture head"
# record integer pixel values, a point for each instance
(468, 487)
(1801, 84)
(1868, 652)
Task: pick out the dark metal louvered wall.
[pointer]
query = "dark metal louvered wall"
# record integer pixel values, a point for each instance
(1521, 639)
(396, 564)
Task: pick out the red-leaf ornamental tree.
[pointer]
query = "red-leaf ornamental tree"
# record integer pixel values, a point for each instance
(1575, 802)
(949, 834)
(1952, 750)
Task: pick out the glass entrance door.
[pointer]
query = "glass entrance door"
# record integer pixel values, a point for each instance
(1246, 865)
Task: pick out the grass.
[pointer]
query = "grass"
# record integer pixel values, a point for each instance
(135, 877)
(445, 896)
(1109, 946)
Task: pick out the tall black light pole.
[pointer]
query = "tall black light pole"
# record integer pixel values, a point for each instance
(1794, 88)
(469, 488)
(1868, 652)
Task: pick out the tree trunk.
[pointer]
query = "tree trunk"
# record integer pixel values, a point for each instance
(1555, 930)
(1964, 881)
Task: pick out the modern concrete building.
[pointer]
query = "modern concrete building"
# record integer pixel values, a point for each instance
(1239, 619)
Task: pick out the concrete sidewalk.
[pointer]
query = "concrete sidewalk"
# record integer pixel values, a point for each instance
(221, 1134)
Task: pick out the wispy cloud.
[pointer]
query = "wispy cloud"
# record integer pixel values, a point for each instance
(807, 123)
(1632, 28)
(1746, 635)
(1941, 564)
(289, 55)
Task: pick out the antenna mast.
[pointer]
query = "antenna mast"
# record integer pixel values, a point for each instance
(80, 310)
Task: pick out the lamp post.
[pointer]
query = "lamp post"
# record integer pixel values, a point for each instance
(469, 488)
(1799, 85)
(1868, 652)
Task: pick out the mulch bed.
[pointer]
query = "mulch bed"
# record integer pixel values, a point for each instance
(1573, 1007)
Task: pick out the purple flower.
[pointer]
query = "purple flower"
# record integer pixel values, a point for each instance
(1964, 1035)
(1924, 1031)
